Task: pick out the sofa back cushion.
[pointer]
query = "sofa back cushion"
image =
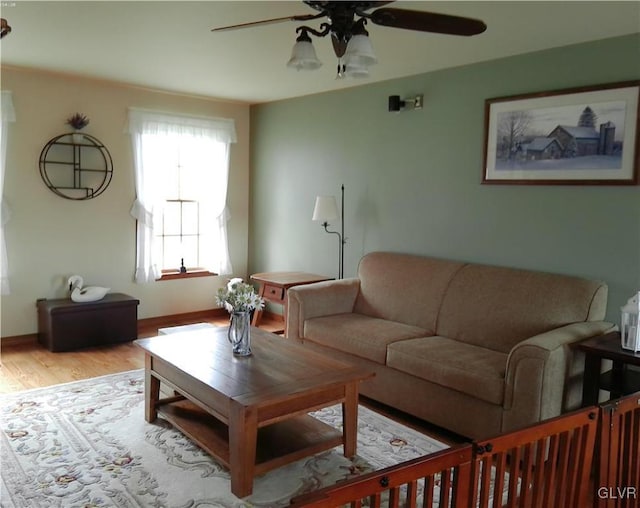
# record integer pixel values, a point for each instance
(498, 307)
(404, 288)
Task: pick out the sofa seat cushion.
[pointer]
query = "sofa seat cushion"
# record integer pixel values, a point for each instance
(467, 368)
(357, 334)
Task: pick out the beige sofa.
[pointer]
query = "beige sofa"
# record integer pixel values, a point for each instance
(475, 349)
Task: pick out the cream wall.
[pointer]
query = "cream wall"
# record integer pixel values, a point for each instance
(50, 238)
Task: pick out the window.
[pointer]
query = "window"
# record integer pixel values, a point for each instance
(7, 115)
(181, 186)
(179, 236)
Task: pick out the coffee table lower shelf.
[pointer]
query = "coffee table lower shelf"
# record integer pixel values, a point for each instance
(278, 443)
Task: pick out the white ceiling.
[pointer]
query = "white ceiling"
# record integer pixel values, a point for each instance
(168, 45)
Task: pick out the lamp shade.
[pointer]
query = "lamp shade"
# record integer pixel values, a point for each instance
(356, 71)
(303, 56)
(360, 52)
(326, 209)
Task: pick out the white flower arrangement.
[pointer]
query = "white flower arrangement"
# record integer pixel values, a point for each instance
(239, 296)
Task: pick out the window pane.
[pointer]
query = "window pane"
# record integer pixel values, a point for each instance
(189, 218)
(190, 250)
(171, 218)
(172, 253)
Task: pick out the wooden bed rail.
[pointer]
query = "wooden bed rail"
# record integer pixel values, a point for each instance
(618, 478)
(546, 465)
(447, 472)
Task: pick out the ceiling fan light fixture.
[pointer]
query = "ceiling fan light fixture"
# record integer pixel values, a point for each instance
(352, 70)
(303, 54)
(346, 22)
(360, 52)
(5, 29)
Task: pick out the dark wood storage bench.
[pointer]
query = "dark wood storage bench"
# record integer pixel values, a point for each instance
(64, 325)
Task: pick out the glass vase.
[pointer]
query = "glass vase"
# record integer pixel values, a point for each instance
(239, 333)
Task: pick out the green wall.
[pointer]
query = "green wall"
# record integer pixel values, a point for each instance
(413, 180)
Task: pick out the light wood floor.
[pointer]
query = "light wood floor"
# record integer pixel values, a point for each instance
(30, 365)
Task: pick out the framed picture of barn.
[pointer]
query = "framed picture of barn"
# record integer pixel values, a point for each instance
(586, 135)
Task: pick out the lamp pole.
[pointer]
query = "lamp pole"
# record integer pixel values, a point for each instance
(341, 238)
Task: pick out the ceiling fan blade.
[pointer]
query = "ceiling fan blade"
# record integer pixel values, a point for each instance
(427, 21)
(329, 5)
(303, 17)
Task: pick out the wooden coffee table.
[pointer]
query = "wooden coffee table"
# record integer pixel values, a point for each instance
(250, 413)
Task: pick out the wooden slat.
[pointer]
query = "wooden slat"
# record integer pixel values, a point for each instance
(584, 447)
(514, 476)
(500, 465)
(412, 494)
(445, 488)
(550, 468)
(429, 486)
(485, 480)
(541, 451)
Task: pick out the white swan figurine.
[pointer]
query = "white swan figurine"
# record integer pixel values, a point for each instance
(82, 294)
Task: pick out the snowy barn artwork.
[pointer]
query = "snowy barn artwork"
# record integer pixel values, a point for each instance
(523, 141)
(581, 136)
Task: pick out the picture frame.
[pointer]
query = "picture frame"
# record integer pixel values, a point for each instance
(580, 136)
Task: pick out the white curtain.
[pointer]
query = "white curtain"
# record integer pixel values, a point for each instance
(147, 128)
(8, 116)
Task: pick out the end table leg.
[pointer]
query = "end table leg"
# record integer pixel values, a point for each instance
(617, 379)
(151, 391)
(350, 419)
(591, 380)
(243, 438)
(257, 314)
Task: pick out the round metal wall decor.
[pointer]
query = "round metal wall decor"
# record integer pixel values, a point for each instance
(76, 166)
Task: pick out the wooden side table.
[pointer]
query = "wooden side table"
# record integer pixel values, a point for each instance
(619, 380)
(274, 286)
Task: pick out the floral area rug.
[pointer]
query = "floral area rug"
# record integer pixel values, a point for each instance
(86, 444)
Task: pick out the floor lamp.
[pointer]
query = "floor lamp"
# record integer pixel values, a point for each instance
(325, 210)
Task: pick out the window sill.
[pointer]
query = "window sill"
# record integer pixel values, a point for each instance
(186, 275)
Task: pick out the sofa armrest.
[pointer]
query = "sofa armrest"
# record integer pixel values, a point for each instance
(543, 373)
(319, 299)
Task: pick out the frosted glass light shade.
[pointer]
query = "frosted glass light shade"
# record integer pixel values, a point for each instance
(356, 71)
(326, 209)
(303, 57)
(360, 52)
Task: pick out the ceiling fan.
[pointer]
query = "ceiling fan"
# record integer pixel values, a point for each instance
(5, 29)
(346, 24)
